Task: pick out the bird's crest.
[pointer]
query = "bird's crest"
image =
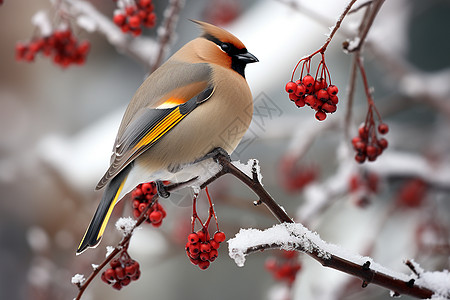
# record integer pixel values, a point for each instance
(219, 33)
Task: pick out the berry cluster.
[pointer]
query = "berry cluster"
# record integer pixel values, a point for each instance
(367, 144)
(284, 268)
(362, 186)
(132, 17)
(294, 177)
(61, 45)
(314, 91)
(142, 195)
(202, 249)
(122, 271)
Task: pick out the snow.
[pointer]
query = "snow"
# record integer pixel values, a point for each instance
(109, 250)
(248, 168)
(438, 282)
(125, 225)
(94, 266)
(78, 279)
(41, 20)
(284, 236)
(87, 23)
(289, 236)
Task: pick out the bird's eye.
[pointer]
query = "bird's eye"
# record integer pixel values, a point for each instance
(225, 47)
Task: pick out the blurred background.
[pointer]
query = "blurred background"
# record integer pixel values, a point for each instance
(57, 127)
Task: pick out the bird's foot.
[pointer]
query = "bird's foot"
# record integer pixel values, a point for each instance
(214, 154)
(162, 190)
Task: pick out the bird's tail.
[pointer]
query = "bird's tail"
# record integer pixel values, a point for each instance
(98, 223)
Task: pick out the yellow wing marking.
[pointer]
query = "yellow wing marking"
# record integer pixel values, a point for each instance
(108, 214)
(162, 128)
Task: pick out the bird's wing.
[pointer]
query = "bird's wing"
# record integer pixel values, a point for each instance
(148, 124)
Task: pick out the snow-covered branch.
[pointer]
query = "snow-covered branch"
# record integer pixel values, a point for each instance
(295, 236)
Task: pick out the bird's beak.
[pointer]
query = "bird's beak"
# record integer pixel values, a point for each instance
(246, 57)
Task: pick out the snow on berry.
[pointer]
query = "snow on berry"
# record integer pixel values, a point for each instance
(313, 91)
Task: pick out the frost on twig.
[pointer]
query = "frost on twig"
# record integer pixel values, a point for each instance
(78, 279)
(126, 225)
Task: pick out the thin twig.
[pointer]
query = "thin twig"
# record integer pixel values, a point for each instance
(166, 30)
(122, 244)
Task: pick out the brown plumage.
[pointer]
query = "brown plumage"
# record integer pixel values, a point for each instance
(195, 102)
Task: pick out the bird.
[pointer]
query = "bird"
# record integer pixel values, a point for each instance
(197, 101)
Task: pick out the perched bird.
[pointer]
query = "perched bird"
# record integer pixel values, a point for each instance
(197, 101)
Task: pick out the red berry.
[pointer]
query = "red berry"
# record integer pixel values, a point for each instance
(147, 188)
(363, 132)
(193, 238)
(383, 143)
(371, 151)
(115, 263)
(300, 90)
(308, 81)
(130, 10)
(320, 84)
(144, 3)
(130, 270)
(360, 147)
(119, 19)
(205, 247)
(194, 248)
(125, 281)
(110, 274)
(329, 108)
(83, 48)
(203, 264)
(155, 216)
(291, 87)
(219, 237)
(117, 286)
(300, 102)
(294, 97)
(142, 207)
(213, 254)
(103, 277)
(311, 100)
(201, 235)
(360, 157)
(334, 99)
(136, 31)
(204, 256)
(383, 128)
(356, 139)
(194, 261)
(320, 115)
(322, 95)
(136, 275)
(120, 273)
(332, 90)
(214, 244)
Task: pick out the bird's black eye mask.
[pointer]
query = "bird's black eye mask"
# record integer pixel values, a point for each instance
(228, 48)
